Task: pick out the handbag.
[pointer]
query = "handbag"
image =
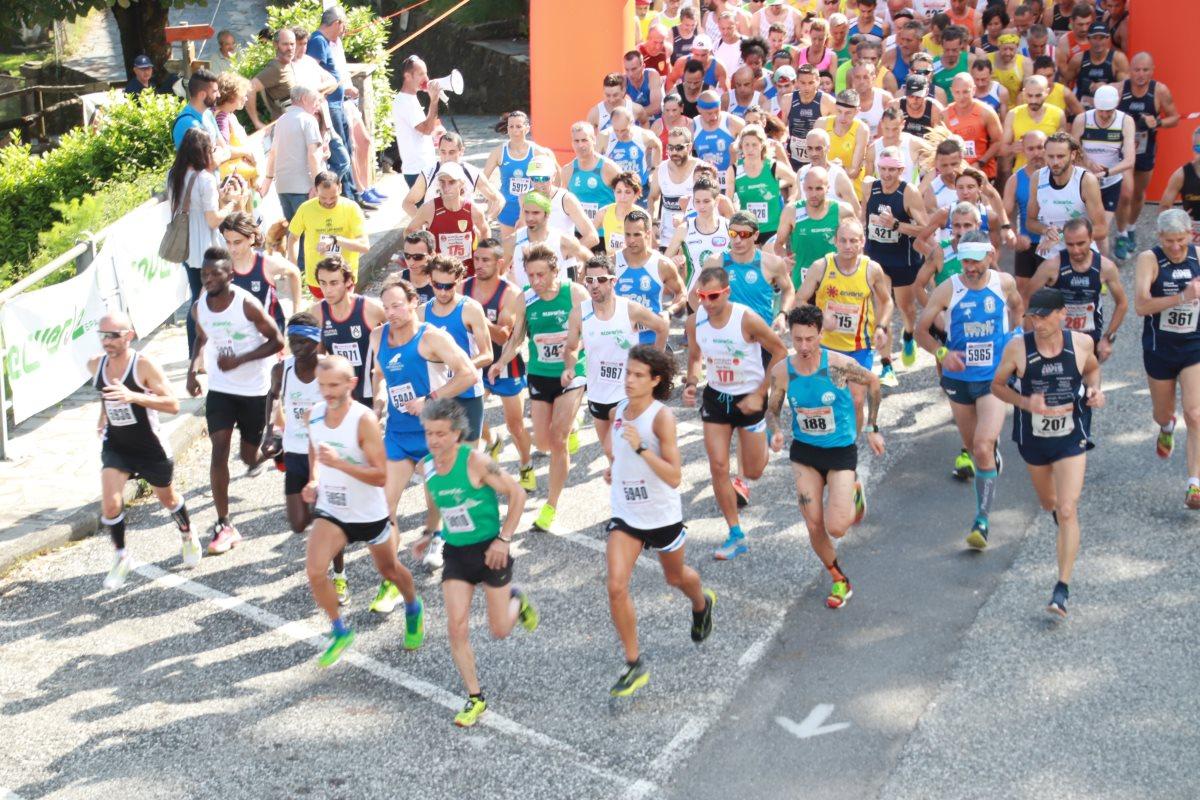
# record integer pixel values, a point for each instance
(174, 244)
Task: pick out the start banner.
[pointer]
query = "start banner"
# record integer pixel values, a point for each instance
(152, 289)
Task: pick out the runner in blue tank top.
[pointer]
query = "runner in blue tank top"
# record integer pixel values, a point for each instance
(1059, 379)
(754, 276)
(643, 274)
(1167, 294)
(824, 454)
(982, 304)
(411, 358)
(512, 159)
(714, 132)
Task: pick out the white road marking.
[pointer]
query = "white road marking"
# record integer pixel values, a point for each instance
(5, 794)
(303, 632)
(813, 724)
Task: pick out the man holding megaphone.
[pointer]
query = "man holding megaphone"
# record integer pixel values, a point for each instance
(415, 126)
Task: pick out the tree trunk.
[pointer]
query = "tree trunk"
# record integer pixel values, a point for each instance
(141, 26)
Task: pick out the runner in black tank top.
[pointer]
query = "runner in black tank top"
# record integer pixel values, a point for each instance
(350, 338)
(491, 309)
(1092, 73)
(130, 429)
(801, 119)
(1081, 292)
(258, 284)
(1190, 194)
(919, 125)
(1146, 141)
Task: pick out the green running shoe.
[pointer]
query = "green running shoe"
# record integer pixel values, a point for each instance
(471, 712)
(860, 503)
(414, 626)
(977, 538)
(528, 479)
(337, 644)
(573, 442)
(386, 598)
(908, 352)
(495, 447)
(545, 518)
(839, 594)
(342, 587)
(527, 614)
(964, 466)
(633, 678)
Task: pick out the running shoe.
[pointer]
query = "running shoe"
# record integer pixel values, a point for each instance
(433, 554)
(257, 468)
(342, 587)
(977, 538)
(1058, 601)
(1192, 498)
(224, 539)
(839, 594)
(386, 598)
(702, 624)
(964, 466)
(495, 447)
(734, 546)
(1121, 248)
(908, 352)
(371, 196)
(471, 712)
(191, 551)
(1166, 441)
(527, 613)
(528, 479)
(887, 376)
(633, 678)
(414, 626)
(337, 644)
(573, 442)
(545, 518)
(860, 503)
(742, 490)
(375, 191)
(119, 572)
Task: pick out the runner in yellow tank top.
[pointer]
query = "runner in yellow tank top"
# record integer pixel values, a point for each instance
(1012, 76)
(848, 299)
(1023, 122)
(853, 142)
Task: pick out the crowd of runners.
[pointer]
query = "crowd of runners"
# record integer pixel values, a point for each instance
(770, 206)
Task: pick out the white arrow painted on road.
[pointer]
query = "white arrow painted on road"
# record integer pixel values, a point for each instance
(813, 724)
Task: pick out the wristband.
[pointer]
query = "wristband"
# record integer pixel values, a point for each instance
(1006, 226)
(432, 395)
(641, 448)
(873, 428)
(940, 353)
(506, 541)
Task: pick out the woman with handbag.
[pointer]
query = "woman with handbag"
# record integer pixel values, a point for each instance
(198, 207)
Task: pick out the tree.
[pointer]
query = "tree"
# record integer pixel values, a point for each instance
(141, 23)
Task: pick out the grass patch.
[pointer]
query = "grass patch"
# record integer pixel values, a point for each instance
(478, 11)
(10, 63)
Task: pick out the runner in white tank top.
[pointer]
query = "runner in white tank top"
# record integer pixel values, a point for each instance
(607, 342)
(671, 192)
(733, 365)
(875, 113)
(1057, 205)
(639, 496)
(297, 398)
(231, 332)
(698, 245)
(340, 495)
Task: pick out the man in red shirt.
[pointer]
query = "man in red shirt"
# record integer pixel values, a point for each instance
(655, 52)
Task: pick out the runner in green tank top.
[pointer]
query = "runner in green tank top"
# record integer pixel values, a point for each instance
(546, 321)
(466, 486)
(764, 194)
(808, 227)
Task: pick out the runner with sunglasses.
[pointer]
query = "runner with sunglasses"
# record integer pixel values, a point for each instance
(607, 326)
(671, 182)
(737, 348)
(134, 389)
(701, 233)
(419, 247)
(646, 276)
(535, 210)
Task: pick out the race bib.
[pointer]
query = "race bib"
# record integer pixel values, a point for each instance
(1080, 317)
(612, 371)
(1142, 142)
(845, 317)
(798, 149)
(880, 233)
(726, 370)
(1181, 318)
(400, 395)
(456, 245)
(1056, 422)
(348, 351)
(635, 492)
(589, 209)
(816, 421)
(519, 186)
(335, 496)
(458, 519)
(969, 149)
(759, 210)
(119, 414)
(980, 354)
(225, 348)
(550, 346)
(298, 412)
(616, 241)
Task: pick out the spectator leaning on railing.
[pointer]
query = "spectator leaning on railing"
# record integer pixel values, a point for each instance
(194, 174)
(295, 157)
(274, 81)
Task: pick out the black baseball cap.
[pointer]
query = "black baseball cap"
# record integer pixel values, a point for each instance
(1099, 29)
(915, 85)
(1045, 302)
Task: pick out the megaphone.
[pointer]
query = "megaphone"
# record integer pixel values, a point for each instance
(452, 83)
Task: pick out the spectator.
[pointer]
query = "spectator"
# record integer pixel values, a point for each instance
(202, 97)
(233, 91)
(275, 80)
(329, 224)
(413, 125)
(295, 157)
(143, 71)
(222, 60)
(194, 170)
(308, 72)
(321, 47)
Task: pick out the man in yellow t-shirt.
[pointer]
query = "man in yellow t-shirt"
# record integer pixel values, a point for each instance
(330, 224)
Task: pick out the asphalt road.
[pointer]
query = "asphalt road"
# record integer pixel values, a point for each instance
(945, 676)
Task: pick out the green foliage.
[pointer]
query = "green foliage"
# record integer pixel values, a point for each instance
(364, 43)
(133, 140)
(46, 12)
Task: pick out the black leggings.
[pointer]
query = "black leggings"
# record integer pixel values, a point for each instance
(193, 276)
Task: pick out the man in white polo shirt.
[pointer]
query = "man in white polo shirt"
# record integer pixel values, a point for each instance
(414, 125)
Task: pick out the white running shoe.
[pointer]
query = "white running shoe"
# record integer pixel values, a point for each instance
(119, 572)
(191, 551)
(433, 554)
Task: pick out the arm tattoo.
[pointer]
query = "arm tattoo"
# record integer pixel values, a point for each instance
(804, 500)
(850, 373)
(493, 468)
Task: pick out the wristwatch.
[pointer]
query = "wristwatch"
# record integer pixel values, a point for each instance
(641, 448)
(873, 428)
(1111, 337)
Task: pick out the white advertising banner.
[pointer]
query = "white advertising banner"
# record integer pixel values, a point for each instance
(49, 335)
(151, 288)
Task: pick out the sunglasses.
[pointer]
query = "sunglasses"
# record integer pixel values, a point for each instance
(742, 234)
(539, 178)
(711, 296)
(415, 256)
(108, 336)
(678, 148)
(600, 279)
(444, 287)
